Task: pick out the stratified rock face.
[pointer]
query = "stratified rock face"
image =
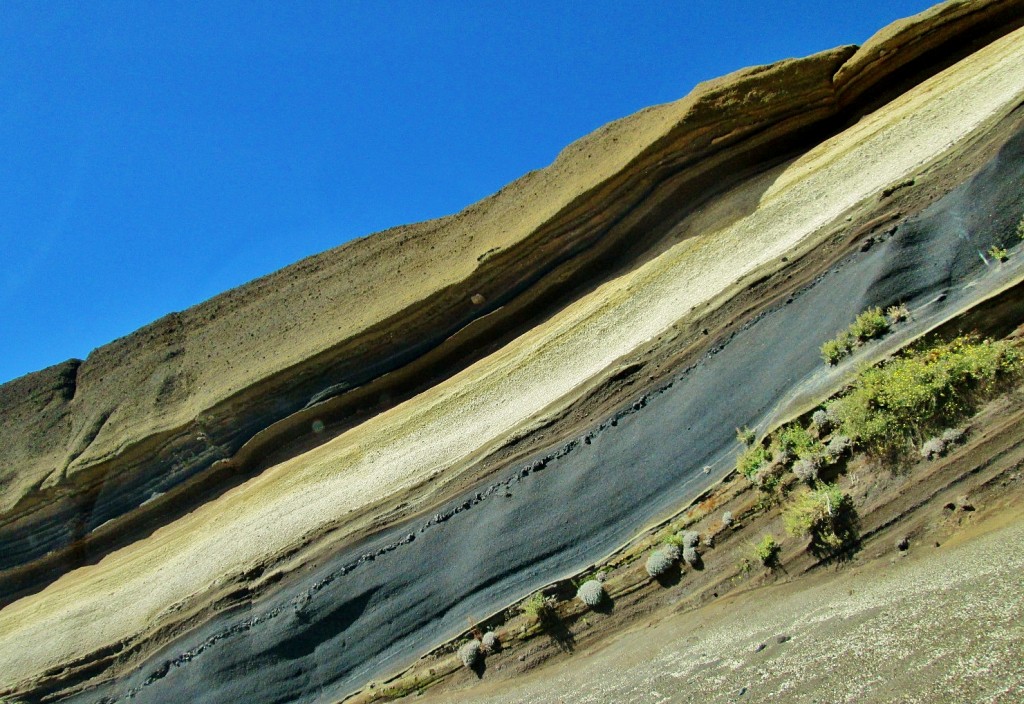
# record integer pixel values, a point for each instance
(197, 462)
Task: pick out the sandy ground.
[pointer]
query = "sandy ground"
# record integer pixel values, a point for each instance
(129, 589)
(840, 638)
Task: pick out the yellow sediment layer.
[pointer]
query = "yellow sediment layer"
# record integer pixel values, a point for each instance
(128, 590)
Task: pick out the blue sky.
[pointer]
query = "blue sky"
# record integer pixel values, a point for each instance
(155, 154)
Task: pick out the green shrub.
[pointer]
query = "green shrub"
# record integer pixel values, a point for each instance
(540, 608)
(751, 460)
(796, 441)
(924, 390)
(1020, 228)
(826, 514)
(767, 551)
(835, 349)
(998, 253)
(675, 539)
(870, 324)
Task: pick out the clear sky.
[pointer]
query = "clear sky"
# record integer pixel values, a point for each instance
(154, 154)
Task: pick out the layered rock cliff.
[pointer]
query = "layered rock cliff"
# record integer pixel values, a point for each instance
(200, 462)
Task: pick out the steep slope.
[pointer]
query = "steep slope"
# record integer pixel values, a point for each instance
(546, 289)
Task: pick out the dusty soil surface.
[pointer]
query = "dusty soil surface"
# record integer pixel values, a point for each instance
(944, 624)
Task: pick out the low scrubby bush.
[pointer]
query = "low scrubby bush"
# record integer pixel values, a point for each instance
(540, 608)
(591, 593)
(821, 421)
(807, 469)
(825, 514)
(470, 654)
(952, 436)
(490, 642)
(998, 253)
(868, 325)
(837, 447)
(727, 518)
(691, 556)
(924, 390)
(661, 561)
(767, 551)
(935, 447)
(691, 539)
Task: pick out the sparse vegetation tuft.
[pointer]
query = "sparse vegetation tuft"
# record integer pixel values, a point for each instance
(897, 313)
(821, 421)
(998, 253)
(746, 436)
(933, 448)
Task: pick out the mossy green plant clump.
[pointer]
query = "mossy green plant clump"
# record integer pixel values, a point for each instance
(923, 391)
